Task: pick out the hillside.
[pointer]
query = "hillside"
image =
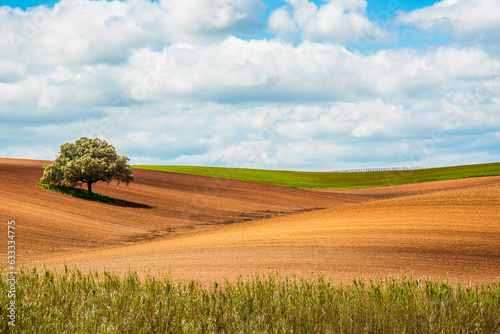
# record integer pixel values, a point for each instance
(332, 180)
(209, 228)
(453, 233)
(156, 204)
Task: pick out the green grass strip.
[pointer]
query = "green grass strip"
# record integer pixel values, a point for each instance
(76, 192)
(328, 180)
(102, 302)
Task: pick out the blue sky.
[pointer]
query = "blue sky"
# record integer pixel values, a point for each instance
(297, 84)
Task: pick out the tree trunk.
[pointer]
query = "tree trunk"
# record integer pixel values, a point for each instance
(90, 188)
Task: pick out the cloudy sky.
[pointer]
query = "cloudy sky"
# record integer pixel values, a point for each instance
(295, 84)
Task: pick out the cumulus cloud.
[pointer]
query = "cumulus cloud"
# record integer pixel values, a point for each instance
(466, 19)
(316, 103)
(341, 21)
(199, 20)
(167, 87)
(11, 71)
(78, 32)
(261, 70)
(38, 152)
(92, 32)
(326, 136)
(283, 25)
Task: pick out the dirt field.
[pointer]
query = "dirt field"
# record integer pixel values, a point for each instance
(156, 204)
(199, 227)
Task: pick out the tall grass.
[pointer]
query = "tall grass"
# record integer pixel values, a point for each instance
(73, 302)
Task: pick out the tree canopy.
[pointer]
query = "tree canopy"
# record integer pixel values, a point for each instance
(87, 161)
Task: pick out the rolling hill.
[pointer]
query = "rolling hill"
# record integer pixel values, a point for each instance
(156, 204)
(333, 180)
(207, 228)
(453, 233)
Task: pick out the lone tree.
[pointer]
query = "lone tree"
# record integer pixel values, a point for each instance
(88, 161)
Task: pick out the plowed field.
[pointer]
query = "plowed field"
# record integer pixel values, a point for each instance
(156, 204)
(205, 228)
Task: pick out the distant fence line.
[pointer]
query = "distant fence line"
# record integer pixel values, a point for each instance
(381, 169)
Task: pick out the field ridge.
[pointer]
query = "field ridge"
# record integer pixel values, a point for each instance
(333, 180)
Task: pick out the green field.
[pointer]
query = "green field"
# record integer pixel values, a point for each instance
(328, 180)
(73, 302)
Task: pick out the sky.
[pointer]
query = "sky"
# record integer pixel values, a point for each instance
(295, 84)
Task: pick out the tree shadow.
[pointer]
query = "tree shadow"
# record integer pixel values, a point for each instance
(95, 197)
(128, 204)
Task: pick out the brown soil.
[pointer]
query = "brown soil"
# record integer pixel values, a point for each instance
(417, 188)
(156, 204)
(451, 228)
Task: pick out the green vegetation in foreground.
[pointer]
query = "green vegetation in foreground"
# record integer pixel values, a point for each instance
(72, 302)
(328, 180)
(76, 192)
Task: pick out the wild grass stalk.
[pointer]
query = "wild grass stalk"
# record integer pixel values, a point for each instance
(74, 302)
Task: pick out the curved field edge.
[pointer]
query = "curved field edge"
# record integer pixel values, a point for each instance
(333, 180)
(75, 302)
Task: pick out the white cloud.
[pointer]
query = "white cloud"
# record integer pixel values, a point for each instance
(466, 19)
(39, 152)
(282, 24)
(316, 136)
(91, 32)
(199, 20)
(79, 31)
(11, 71)
(341, 21)
(367, 129)
(235, 70)
(167, 87)
(203, 92)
